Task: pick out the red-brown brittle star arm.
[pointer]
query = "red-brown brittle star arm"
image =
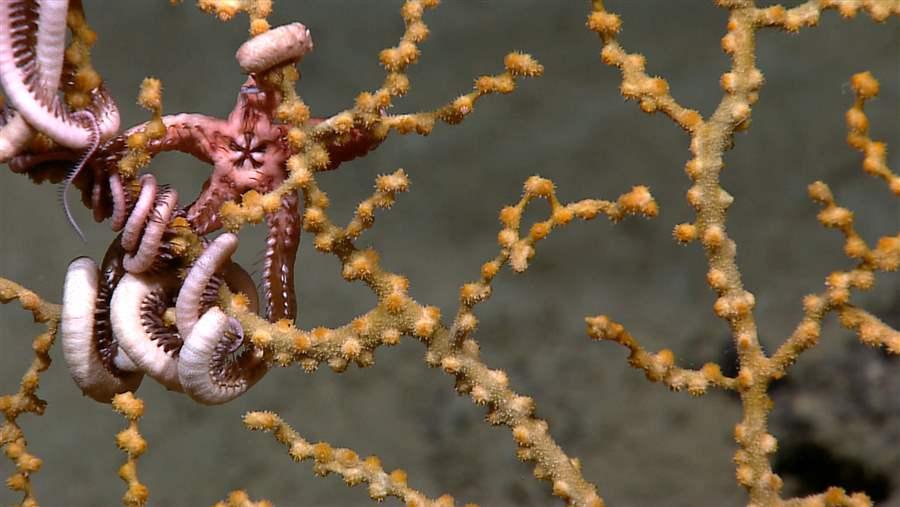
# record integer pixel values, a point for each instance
(203, 214)
(281, 252)
(185, 133)
(344, 148)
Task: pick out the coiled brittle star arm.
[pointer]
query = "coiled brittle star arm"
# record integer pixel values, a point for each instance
(32, 42)
(30, 64)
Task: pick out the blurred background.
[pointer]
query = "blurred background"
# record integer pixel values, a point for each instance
(837, 415)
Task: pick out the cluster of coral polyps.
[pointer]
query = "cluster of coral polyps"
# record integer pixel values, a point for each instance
(167, 301)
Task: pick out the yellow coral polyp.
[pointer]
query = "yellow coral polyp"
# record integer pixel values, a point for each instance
(536, 186)
(258, 26)
(509, 216)
(864, 85)
(260, 420)
(604, 22)
(523, 64)
(150, 96)
(87, 79)
(396, 182)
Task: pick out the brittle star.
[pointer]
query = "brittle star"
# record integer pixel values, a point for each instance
(248, 151)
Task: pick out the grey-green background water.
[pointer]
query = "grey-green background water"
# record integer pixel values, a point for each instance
(642, 445)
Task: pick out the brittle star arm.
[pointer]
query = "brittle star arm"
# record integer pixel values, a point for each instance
(43, 61)
(185, 133)
(32, 44)
(203, 214)
(14, 133)
(356, 143)
(281, 253)
(31, 56)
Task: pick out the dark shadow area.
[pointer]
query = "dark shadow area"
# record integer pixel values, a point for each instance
(809, 468)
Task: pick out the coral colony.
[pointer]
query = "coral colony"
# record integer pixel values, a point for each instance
(168, 302)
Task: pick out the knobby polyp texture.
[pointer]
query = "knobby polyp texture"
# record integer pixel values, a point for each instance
(271, 160)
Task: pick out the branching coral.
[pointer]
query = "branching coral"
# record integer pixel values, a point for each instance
(133, 444)
(12, 439)
(709, 140)
(165, 250)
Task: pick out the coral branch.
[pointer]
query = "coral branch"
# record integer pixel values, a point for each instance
(225, 10)
(42, 311)
(266, 156)
(660, 367)
(807, 14)
(517, 251)
(865, 87)
(12, 439)
(871, 330)
(709, 141)
(884, 257)
(517, 65)
(833, 497)
(134, 445)
(241, 499)
(345, 463)
(652, 93)
(386, 188)
(145, 140)
(397, 314)
(535, 444)
(457, 353)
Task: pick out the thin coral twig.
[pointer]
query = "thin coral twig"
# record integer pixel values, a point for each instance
(12, 439)
(660, 367)
(134, 445)
(241, 499)
(345, 463)
(884, 257)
